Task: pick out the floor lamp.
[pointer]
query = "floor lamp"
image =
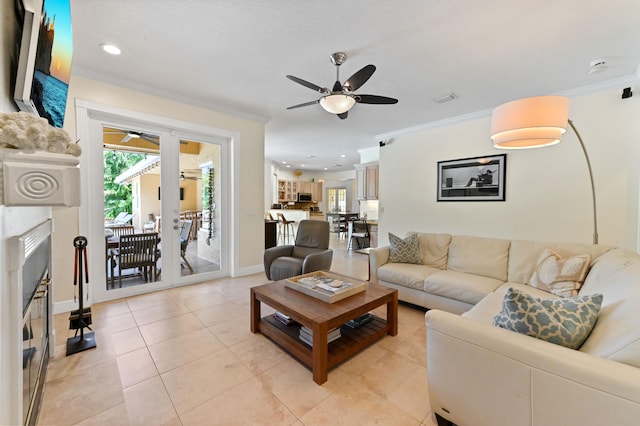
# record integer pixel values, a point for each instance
(537, 122)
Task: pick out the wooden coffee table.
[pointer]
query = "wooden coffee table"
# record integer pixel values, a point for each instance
(321, 317)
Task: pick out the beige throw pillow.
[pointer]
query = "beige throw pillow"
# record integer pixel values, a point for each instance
(559, 275)
(404, 251)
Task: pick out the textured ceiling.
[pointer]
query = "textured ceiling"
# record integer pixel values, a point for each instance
(233, 56)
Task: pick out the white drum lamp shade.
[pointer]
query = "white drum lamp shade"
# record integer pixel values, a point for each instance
(530, 122)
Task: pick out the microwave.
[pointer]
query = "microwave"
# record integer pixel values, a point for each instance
(304, 197)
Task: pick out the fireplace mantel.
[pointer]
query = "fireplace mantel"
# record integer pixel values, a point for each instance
(38, 179)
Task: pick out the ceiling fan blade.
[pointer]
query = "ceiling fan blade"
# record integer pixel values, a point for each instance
(151, 139)
(126, 138)
(354, 82)
(343, 115)
(304, 104)
(374, 99)
(305, 83)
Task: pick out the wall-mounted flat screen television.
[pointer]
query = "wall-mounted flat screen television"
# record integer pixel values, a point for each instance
(44, 59)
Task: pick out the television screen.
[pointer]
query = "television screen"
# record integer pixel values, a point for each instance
(44, 65)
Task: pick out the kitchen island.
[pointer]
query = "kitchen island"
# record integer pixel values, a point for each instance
(290, 215)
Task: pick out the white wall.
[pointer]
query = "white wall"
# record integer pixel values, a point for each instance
(548, 195)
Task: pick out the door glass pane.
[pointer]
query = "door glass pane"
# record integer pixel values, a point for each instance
(131, 207)
(337, 200)
(199, 224)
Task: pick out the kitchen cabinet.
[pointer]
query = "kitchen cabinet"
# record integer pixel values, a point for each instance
(316, 191)
(367, 181)
(373, 234)
(288, 190)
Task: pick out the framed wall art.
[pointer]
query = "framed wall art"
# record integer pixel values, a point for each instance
(473, 179)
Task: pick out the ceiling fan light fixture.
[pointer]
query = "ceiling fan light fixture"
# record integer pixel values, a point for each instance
(337, 103)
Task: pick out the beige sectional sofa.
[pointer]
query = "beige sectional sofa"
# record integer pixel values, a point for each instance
(480, 374)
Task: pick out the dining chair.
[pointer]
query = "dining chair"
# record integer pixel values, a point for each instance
(360, 233)
(121, 230)
(135, 251)
(184, 241)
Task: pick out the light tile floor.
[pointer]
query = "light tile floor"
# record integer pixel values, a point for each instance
(185, 356)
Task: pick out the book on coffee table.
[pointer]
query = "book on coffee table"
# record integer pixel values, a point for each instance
(325, 286)
(306, 335)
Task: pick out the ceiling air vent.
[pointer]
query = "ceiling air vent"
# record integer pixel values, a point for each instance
(446, 98)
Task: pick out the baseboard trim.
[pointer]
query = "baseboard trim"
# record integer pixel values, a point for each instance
(249, 270)
(64, 306)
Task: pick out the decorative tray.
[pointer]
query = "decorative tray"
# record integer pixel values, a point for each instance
(325, 286)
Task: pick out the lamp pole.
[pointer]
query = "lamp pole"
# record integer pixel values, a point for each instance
(593, 188)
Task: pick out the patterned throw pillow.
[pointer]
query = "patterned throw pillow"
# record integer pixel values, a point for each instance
(565, 321)
(404, 251)
(558, 275)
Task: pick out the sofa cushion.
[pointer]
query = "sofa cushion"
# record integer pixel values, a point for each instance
(523, 255)
(566, 321)
(485, 310)
(479, 256)
(460, 286)
(405, 274)
(616, 335)
(404, 251)
(434, 248)
(562, 276)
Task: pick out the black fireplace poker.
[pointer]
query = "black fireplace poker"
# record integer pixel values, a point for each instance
(80, 318)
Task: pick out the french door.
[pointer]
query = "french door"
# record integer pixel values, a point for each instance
(162, 184)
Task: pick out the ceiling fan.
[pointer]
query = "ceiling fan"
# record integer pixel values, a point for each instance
(184, 177)
(341, 98)
(129, 135)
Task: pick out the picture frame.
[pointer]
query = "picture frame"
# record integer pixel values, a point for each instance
(473, 179)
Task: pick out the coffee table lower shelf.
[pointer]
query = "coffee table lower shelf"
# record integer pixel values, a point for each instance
(351, 341)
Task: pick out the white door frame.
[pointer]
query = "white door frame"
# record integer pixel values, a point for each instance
(89, 119)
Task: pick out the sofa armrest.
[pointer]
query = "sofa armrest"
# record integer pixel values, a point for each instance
(377, 257)
(320, 261)
(272, 254)
(484, 375)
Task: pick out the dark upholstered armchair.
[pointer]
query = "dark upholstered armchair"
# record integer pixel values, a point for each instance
(310, 252)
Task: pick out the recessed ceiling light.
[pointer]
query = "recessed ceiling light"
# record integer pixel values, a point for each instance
(288, 166)
(301, 165)
(110, 48)
(326, 168)
(284, 162)
(343, 155)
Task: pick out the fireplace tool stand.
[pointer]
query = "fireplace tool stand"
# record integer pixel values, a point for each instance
(80, 318)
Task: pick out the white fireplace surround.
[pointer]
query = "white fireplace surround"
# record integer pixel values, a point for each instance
(20, 248)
